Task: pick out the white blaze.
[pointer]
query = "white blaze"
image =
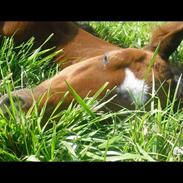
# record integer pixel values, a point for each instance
(134, 88)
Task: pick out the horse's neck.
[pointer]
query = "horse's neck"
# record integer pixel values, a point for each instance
(78, 44)
(83, 45)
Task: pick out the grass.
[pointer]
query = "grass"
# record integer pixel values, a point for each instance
(82, 132)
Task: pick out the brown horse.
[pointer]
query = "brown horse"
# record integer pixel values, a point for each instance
(91, 62)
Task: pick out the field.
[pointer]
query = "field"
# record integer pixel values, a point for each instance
(82, 133)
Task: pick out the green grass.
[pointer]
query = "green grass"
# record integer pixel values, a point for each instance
(83, 132)
(125, 34)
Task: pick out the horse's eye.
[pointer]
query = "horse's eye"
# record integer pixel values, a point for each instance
(105, 59)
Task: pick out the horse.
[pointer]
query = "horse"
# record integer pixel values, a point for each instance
(90, 62)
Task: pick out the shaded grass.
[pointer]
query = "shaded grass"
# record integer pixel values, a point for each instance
(23, 66)
(83, 133)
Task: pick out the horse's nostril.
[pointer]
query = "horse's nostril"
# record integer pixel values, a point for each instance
(5, 103)
(22, 100)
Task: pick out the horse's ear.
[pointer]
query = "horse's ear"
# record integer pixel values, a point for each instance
(169, 36)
